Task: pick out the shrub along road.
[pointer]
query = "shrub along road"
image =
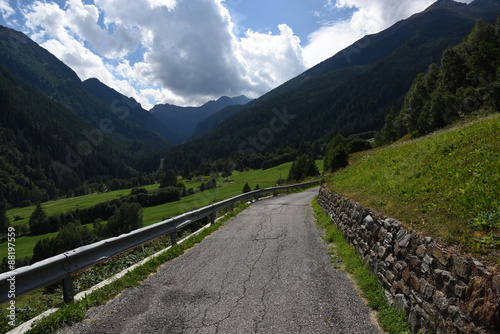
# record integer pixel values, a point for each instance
(266, 271)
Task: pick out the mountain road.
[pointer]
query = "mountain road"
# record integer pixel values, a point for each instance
(266, 271)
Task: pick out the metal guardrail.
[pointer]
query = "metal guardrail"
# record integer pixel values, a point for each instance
(61, 267)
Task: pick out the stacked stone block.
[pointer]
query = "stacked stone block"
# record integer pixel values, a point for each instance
(440, 290)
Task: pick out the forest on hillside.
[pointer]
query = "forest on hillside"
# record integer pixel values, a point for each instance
(467, 81)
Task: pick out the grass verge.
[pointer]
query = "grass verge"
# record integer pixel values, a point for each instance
(76, 312)
(390, 319)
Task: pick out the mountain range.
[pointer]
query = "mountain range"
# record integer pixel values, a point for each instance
(61, 135)
(182, 121)
(350, 93)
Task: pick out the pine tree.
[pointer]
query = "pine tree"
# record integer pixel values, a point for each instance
(292, 173)
(38, 221)
(125, 219)
(169, 179)
(4, 222)
(337, 154)
(246, 188)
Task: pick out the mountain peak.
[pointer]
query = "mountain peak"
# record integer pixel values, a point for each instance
(447, 4)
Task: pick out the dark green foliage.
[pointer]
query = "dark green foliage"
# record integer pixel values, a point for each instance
(135, 112)
(125, 219)
(246, 188)
(337, 154)
(38, 221)
(137, 191)
(47, 149)
(182, 188)
(4, 222)
(211, 184)
(302, 168)
(358, 145)
(69, 237)
(467, 80)
(187, 171)
(169, 179)
(48, 75)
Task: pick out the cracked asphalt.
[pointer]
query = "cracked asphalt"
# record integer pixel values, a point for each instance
(266, 271)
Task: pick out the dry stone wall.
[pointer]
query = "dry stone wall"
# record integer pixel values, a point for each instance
(440, 291)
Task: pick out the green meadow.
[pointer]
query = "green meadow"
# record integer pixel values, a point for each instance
(226, 188)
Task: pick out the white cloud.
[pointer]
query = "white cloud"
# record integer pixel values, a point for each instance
(186, 52)
(6, 9)
(370, 16)
(270, 60)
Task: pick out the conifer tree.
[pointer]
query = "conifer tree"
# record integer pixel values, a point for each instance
(4, 222)
(38, 220)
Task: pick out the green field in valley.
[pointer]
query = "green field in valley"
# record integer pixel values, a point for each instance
(226, 188)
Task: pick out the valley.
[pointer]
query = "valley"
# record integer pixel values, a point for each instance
(404, 121)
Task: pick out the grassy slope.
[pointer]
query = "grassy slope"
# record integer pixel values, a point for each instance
(438, 184)
(264, 178)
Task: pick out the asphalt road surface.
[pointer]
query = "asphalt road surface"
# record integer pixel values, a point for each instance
(266, 271)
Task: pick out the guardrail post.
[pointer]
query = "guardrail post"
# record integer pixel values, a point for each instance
(212, 217)
(68, 291)
(173, 238)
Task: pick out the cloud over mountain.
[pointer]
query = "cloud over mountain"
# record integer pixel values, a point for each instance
(186, 52)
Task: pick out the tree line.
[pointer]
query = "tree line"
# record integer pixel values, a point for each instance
(466, 81)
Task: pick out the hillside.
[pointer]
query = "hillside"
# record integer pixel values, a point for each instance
(47, 151)
(350, 93)
(183, 120)
(215, 119)
(136, 114)
(445, 184)
(465, 82)
(41, 70)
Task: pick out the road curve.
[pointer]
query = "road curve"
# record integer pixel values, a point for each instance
(266, 271)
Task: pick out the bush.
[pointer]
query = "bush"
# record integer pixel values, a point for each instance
(337, 155)
(358, 145)
(302, 168)
(125, 219)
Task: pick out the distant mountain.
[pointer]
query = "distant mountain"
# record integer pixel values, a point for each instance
(41, 70)
(350, 93)
(215, 119)
(183, 120)
(136, 114)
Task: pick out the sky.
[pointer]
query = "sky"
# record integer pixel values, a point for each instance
(187, 52)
